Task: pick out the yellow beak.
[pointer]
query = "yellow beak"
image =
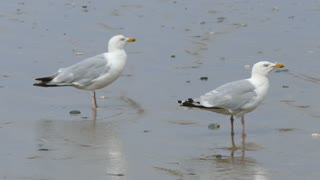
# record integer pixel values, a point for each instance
(131, 39)
(279, 65)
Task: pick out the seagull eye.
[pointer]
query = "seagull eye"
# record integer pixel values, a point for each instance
(122, 39)
(266, 65)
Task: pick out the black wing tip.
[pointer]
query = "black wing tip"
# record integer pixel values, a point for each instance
(45, 79)
(189, 103)
(43, 84)
(195, 104)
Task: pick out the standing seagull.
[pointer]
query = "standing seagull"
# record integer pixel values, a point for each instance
(93, 73)
(239, 97)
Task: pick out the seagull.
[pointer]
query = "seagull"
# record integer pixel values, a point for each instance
(239, 97)
(92, 73)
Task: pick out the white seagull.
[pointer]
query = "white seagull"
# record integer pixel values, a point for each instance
(93, 73)
(239, 97)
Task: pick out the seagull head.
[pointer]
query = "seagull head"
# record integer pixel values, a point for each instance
(119, 42)
(263, 68)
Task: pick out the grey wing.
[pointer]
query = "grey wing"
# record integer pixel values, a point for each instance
(84, 72)
(231, 96)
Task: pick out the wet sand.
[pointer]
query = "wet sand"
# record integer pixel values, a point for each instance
(139, 131)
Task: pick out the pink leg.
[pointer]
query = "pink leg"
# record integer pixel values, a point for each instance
(94, 100)
(243, 126)
(231, 120)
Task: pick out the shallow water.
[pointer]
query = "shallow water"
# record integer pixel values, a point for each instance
(140, 132)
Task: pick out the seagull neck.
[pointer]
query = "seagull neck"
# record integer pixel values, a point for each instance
(113, 49)
(258, 76)
(259, 79)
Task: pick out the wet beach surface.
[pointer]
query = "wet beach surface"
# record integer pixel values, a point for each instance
(139, 131)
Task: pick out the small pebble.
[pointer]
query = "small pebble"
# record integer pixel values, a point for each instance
(43, 149)
(275, 9)
(218, 156)
(120, 174)
(214, 126)
(146, 131)
(85, 8)
(78, 53)
(221, 19)
(285, 86)
(188, 81)
(5, 76)
(173, 56)
(204, 78)
(197, 36)
(285, 129)
(74, 112)
(315, 135)
(247, 67)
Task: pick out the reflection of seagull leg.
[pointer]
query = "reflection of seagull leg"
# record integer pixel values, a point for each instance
(232, 143)
(243, 149)
(94, 100)
(232, 154)
(231, 120)
(243, 128)
(94, 114)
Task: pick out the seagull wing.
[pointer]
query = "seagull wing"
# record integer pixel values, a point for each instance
(83, 73)
(232, 96)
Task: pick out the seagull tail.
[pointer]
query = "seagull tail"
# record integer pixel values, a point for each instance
(45, 82)
(196, 104)
(190, 103)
